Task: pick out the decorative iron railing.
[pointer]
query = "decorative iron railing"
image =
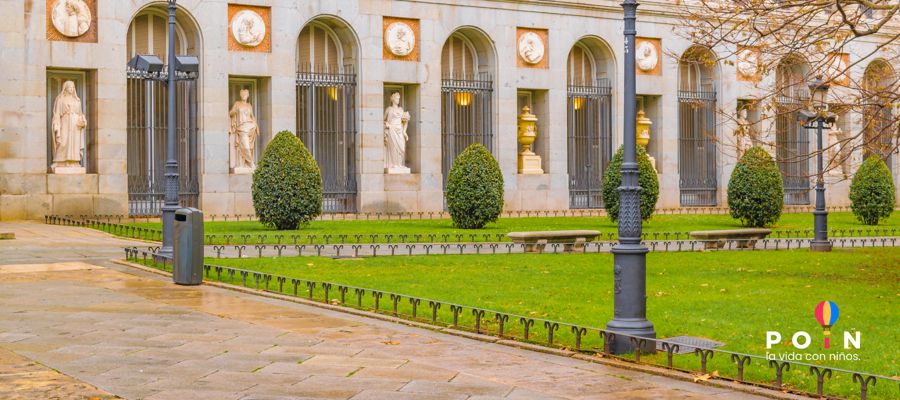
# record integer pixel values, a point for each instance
(697, 163)
(147, 118)
(466, 116)
(326, 123)
(589, 142)
(653, 238)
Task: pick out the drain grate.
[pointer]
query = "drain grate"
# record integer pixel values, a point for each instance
(687, 344)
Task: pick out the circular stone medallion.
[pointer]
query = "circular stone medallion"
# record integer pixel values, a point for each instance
(748, 63)
(400, 39)
(531, 47)
(248, 28)
(647, 56)
(71, 18)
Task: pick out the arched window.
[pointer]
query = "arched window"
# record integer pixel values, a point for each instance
(149, 34)
(697, 162)
(791, 139)
(589, 122)
(147, 117)
(326, 108)
(458, 58)
(466, 95)
(318, 50)
(879, 83)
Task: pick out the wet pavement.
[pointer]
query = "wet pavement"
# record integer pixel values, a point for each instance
(75, 324)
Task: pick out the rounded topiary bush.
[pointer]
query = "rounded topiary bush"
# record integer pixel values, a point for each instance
(287, 184)
(474, 188)
(647, 179)
(755, 190)
(872, 191)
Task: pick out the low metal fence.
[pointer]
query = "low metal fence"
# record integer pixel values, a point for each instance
(571, 339)
(428, 215)
(261, 250)
(144, 233)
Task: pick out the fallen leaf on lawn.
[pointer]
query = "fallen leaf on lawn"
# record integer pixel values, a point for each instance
(391, 343)
(704, 284)
(701, 378)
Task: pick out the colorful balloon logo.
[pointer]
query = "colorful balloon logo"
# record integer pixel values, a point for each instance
(827, 314)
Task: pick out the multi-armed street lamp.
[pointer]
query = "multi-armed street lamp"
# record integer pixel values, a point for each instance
(179, 68)
(630, 255)
(819, 118)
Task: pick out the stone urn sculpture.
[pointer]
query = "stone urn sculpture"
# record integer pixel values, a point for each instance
(643, 125)
(529, 163)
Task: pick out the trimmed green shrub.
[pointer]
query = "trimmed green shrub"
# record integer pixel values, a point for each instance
(647, 180)
(474, 188)
(872, 191)
(287, 184)
(755, 190)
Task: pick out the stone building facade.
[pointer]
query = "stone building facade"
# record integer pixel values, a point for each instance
(323, 69)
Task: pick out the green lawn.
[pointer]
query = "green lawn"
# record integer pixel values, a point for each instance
(733, 297)
(438, 227)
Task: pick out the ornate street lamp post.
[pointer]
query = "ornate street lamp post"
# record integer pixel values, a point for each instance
(170, 204)
(629, 255)
(818, 118)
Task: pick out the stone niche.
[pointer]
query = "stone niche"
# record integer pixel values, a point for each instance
(85, 89)
(260, 101)
(409, 100)
(651, 104)
(538, 102)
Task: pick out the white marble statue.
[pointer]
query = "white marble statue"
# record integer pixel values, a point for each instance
(647, 56)
(248, 28)
(839, 151)
(400, 39)
(68, 127)
(71, 18)
(743, 133)
(531, 47)
(396, 122)
(243, 134)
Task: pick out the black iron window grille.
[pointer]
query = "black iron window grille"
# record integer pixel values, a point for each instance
(326, 123)
(589, 110)
(146, 141)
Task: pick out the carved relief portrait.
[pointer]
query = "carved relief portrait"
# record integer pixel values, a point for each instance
(72, 20)
(400, 39)
(71, 17)
(248, 28)
(836, 69)
(531, 47)
(748, 64)
(401, 36)
(647, 56)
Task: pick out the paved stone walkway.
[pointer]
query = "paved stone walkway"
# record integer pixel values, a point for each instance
(138, 336)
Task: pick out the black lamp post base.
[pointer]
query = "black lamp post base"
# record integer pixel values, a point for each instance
(823, 246)
(634, 327)
(630, 276)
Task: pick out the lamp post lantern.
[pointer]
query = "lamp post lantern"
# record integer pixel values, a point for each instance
(170, 203)
(818, 118)
(630, 255)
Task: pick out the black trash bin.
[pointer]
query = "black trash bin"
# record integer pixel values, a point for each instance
(187, 266)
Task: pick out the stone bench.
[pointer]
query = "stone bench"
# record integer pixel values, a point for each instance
(535, 242)
(744, 238)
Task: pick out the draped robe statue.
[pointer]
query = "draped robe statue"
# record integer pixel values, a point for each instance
(68, 127)
(743, 134)
(839, 151)
(243, 134)
(396, 122)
